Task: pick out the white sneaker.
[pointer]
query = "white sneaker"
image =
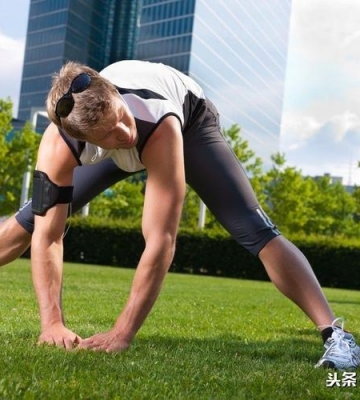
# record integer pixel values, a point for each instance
(341, 352)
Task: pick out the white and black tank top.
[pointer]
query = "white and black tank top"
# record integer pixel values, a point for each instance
(152, 92)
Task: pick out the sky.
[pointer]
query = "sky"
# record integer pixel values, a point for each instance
(320, 130)
(321, 115)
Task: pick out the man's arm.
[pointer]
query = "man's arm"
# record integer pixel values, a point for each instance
(165, 190)
(57, 161)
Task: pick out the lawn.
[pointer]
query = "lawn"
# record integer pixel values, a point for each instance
(207, 338)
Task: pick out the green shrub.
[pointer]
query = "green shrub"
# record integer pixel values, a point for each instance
(93, 241)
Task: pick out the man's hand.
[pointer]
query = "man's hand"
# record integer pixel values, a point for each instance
(59, 335)
(109, 342)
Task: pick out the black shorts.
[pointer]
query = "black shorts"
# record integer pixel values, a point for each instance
(212, 170)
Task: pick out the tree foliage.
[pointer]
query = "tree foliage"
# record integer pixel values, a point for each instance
(249, 160)
(287, 195)
(123, 201)
(306, 205)
(17, 153)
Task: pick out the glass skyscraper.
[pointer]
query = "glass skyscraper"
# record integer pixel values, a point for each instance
(166, 32)
(236, 49)
(94, 32)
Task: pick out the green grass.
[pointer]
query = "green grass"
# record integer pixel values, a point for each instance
(207, 338)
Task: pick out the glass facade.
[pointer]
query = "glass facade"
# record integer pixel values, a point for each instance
(94, 32)
(165, 34)
(236, 49)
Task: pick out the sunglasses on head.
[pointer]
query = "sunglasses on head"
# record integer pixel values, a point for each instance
(66, 103)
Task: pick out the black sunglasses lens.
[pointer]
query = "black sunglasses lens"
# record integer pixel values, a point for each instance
(80, 83)
(66, 103)
(64, 106)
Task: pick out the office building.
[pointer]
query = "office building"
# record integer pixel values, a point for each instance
(236, 49)
(94, 32)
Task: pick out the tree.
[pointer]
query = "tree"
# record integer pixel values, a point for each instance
(240, 146)
(253, 165)
(304, 205)
(353, 228)
(356, 197)
(191, 208)
(17, 152)
(286, 195)
(123, 201)
(333, 209)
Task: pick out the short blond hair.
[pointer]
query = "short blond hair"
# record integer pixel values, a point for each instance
(90, 105)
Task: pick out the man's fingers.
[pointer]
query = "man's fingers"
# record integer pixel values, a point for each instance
(103, 342)
(67, 343)
(71, 343)
(85, 343)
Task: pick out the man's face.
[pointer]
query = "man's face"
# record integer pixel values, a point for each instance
(117, 130)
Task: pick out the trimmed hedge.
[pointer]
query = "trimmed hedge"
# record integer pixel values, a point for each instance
(335, 262)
